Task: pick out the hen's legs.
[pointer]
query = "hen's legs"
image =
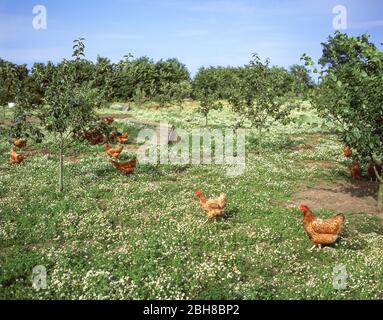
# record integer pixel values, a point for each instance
(312, 248)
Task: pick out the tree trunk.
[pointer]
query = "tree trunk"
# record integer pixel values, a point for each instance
(206, 120)
(260, 140)
(380, 191)
(380, 197)
(61, 168)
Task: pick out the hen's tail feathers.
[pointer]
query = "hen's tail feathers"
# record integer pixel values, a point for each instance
(114, 163)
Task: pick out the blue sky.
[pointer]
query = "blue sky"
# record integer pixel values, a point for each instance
(198, 33)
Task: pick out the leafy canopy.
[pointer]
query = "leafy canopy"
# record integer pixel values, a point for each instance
(351, 91)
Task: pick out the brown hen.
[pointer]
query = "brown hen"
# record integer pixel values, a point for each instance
(20, 143)
(123, 138)
(113, 136)
(321, 232)
(347, 151)
(213, 207)
(15, 158)
(126, 167)
(94, 137)
(356, 171)
(113, 152)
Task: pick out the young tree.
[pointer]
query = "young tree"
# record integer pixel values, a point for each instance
(28, 101)
(260, 95)
(142, 79)
(208, 89)
(17, 86)
(301, 79)
(103, 78)
(180, 91)
(171, 78)
(69, 104)
(41, 77)
(11, 76)
(350, 94)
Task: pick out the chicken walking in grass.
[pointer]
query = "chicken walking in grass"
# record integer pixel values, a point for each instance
(213, 207)
(126, 167)
(94, 137)
(123, 138)
(20, 143)
(356, 171)
(321, 232)
(113, 152)
(15, 158)
(108, 120)
(113, 136)
(347, 151)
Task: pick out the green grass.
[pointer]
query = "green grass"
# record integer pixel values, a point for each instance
(142, 237)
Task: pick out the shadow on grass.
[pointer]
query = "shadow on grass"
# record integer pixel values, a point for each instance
(361, 189)
(230, 213)
(105, 172)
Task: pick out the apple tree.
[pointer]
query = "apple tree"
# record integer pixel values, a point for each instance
(261, 95)
(69, 104)
(350, 93)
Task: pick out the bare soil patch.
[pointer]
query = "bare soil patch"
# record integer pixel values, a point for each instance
(356, 197)
(9, 122)
(315, 139)
(39, 152)
(320, 163)
(73, 158)
(129, 118)
(311, 142)
(300, 147)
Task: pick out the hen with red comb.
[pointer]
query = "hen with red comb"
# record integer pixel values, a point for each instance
(321, 232)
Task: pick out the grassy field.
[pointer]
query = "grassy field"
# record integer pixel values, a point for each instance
(142, 237)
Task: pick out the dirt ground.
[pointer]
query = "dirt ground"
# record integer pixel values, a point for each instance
(345, 197)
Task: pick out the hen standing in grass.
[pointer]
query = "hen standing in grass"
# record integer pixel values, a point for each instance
(125, 168)
(123, 138)
(15, 158)
(321, 232)
(347, 151)
(108, 120)
(356, 171)
(113, 136)
(113, 152)
(94, 137)
(20, 143)
(213, 207)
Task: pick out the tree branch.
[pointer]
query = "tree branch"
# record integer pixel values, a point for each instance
(377, 174)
